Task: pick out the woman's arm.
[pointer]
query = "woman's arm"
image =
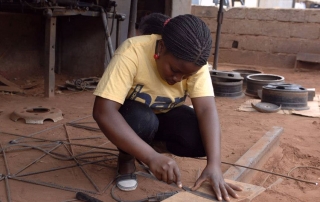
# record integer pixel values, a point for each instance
(209, 125)
(117, 130)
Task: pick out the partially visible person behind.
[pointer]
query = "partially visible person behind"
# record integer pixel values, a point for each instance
(140, 99)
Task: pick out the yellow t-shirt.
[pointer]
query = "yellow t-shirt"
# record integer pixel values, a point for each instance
(132, 74)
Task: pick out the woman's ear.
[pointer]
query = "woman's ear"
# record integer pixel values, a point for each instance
(162, 48)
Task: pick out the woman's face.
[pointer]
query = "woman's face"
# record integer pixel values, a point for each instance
(172, 69)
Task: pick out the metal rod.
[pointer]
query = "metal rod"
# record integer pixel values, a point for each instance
(118, 31)
(68, 138)
(41, 139)
(5, 160)
(132, 18)
(37, 159)
(95, 147)
(61, 140)
(84, 127)
(218, 33)
(23, 149)
(58, 168)
(32, 134)
(8, 173)
(52, 185)
(8, 189)
(80, 118)
(293, 3)
(84, 172)
(264, 171)
(108, 37)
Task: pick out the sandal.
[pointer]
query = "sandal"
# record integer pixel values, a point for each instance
(126, 182)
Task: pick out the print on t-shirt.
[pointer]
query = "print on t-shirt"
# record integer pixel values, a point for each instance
(159, 103)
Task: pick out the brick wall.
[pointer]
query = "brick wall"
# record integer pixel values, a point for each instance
(265, 37)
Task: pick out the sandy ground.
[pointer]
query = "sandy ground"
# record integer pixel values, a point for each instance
(35, 174)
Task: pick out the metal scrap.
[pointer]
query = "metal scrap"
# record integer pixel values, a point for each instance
(89, 83)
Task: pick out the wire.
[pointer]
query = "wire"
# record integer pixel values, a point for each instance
(264, 171)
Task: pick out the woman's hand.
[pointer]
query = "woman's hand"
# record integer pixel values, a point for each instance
(220, 187)
(165, 169)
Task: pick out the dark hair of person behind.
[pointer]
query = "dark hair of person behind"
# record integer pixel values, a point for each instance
(185, 36)
(152, 23)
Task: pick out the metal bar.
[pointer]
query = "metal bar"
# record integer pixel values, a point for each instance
(118, 31)
(80, 119)
(83, 170)
(108, 37)
(8, 173)
(50, 43)
(84, 127)
(95, 147)
(61, 140)
(32, 134)
(23, 149)
(272, 173)
(52, 185)
(132, 18)
(218, 33)
(43, 155)
(46, 140)
(59, 168)
(8, 189)
(68, 138)
(5, 160)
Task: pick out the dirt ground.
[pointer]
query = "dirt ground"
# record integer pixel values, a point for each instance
(37, 170)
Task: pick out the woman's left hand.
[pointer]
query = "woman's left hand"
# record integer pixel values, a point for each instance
(222, 189)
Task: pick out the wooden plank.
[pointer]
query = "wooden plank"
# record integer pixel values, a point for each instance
(255, 155)
(249, 191)
(7, 82)
(9, 86)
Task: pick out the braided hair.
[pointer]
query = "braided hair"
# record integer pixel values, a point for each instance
(185, 36)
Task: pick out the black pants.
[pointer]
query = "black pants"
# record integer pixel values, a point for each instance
(178, 127)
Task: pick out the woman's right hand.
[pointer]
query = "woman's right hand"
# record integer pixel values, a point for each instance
(165, 169)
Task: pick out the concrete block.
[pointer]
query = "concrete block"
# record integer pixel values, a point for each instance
(305, 30)
(228, 26)
(290, 15)
(249, 27)
(279, 60)
(211, 23)
(240, 57)
(260, 14)
(310, 46)
(227, 40)
(255, 154)
(244, 57)
(204, 11)
(235, 13)
(283, 15)
(298, 15)
(313, 15)
(281, 45)
(275, 29)
(255, 43)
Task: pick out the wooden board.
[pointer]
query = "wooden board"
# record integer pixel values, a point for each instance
(9, 86)
(248, 192)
